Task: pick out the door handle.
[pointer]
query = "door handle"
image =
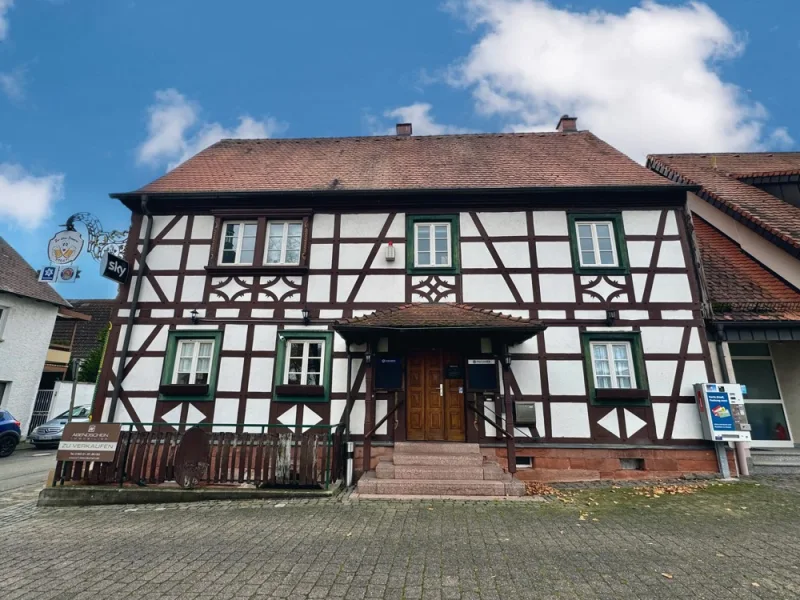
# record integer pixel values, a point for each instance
(441, 389)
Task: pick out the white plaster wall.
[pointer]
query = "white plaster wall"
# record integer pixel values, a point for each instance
(786, 361)
(197, 257)
(26, 337)
(661, 340)
(640, 253)
(671, 255)
(321, 256)
(257, 412)
(322, 226)
(475, 255)
(193, 287)
(203, 227)
(230, 374)
(500, 224)
(529, 346)
(569, 420)
(226, 410)
(687, 423)
(524, 284)
(145, 376)
(382, 288)
(565, 377)
(756, 246)
(353, 256)
(557, 288)
(669, 287)
(164, 257)
(364, 225)
(319, 288)
(485, 288)
(526, 372)
(399, 262)
(553, 254)
(550, 222)
(562, 340)
(661, 376)
(260, 374)
(640, 222)
(514, 254)
(660, 415)
(264, 337)
(84, 394)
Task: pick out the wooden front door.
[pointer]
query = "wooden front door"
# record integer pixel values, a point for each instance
(435, 405)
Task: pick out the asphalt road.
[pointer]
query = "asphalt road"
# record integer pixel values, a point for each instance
(25, 469)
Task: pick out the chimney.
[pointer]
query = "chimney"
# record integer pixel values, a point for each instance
(403, 129)
(567, 124)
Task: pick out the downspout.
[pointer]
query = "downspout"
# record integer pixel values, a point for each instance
(741, 447)
(137, 288)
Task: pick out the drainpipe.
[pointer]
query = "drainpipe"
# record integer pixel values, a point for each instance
(137, 288)
(740, 447)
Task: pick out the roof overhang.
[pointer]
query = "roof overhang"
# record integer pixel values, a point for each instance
(357, 334)
(67, 313)
(757, 331)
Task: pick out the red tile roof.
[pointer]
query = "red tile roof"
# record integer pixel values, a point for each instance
(741, 288)
(478, 161)
(18, 278)
(436, 315)
(720, 174)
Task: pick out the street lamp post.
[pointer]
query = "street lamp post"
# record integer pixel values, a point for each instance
(76, 365)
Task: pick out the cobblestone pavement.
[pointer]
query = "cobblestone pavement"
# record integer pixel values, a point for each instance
(724, 541)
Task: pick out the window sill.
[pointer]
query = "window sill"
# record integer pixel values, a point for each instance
(602, 270)
(305, 391)
(256, 270)
(180, 389)
(432, 270)
(620, 395)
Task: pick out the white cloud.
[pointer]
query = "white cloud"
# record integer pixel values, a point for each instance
(13, 84)
(419, 115)
(27, 199)
(645, 81)
(5, 6)
(175, 132)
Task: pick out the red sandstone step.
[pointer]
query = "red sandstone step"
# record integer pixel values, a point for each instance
(488, 472)
(369, 484)
(436, 448)
(425, 460)
(558, 475)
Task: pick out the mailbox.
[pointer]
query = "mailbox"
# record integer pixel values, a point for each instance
(524, 413)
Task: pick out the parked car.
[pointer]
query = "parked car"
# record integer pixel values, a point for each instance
(9, 433)
(49, 433)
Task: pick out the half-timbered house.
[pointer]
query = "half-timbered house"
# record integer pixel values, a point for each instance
(530, 295)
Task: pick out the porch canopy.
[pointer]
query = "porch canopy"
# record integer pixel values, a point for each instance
(458, 322)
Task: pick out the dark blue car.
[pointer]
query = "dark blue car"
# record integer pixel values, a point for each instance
(9, 433)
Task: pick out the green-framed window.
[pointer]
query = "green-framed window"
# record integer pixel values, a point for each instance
(191, 365)
(432, 245)
(615, 369)
(303, 364)
(597, 242)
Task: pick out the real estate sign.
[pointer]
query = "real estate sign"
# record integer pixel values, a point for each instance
(89, 442)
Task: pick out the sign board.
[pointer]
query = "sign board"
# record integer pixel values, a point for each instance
(67, 274)
(388, 372)
(87, 442)
(722, 412)
(49, 274)
(65, 247)
(482, 375)
(114, 268)
(453, 372)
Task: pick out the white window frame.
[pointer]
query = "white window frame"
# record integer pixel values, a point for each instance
(239, 240)
(595, 244)
(195, 356)
(433, 225)
(4, 310)
(612, 370)
(304, 368)
(284, 242)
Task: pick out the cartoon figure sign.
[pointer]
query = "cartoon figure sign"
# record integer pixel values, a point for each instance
(65, 247)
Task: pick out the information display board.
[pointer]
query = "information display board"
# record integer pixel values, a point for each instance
(482, 375)
(388, 372)
(722, 412)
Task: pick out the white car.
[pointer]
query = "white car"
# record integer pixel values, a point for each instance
(49, 433)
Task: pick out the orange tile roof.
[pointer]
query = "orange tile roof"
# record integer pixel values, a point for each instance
(741, 288)
(438, 315)
(720, 174)
(18, 277)
(477, 161)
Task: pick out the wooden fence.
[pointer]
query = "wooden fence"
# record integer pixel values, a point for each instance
(281, 458)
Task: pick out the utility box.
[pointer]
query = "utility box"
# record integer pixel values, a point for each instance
(722, 412)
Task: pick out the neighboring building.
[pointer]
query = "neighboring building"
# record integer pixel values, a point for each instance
(747, 225)
(86, 336)
(28, 311)
(296, 281)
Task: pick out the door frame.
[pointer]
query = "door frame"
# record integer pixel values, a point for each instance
(441, 351)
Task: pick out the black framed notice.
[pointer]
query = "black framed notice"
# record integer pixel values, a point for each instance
(482, 375)
(388, 372)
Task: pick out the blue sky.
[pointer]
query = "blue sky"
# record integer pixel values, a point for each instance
(99, 96)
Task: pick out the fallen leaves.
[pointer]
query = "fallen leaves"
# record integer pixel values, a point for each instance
(667, 575)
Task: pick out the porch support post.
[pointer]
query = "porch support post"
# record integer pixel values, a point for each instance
(369, 413)
(510, 444)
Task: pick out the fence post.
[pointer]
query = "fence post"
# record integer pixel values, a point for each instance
(328, 454)
(125, 456)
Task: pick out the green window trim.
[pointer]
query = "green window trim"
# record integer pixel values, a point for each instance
(169, 363)
(280, 363)
(623, 267)
(455, 254)
(637, 357)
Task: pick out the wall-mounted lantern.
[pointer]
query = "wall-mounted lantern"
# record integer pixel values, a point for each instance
(390, 252)
(306, 315)
(611, 316)
(194, 315)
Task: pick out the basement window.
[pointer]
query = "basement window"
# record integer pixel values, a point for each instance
(524, 462)
(631, 464)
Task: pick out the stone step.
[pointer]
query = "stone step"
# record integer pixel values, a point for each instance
(558, 475)
(370, 484)
(426, 460)
(777, 463)
(776, 469)
(436, 448)
(488, 472)
(763, 458)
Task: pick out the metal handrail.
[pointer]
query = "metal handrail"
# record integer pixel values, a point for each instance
(385, 418)
(480, 414)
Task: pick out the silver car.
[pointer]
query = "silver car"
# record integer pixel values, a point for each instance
(49, 433)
